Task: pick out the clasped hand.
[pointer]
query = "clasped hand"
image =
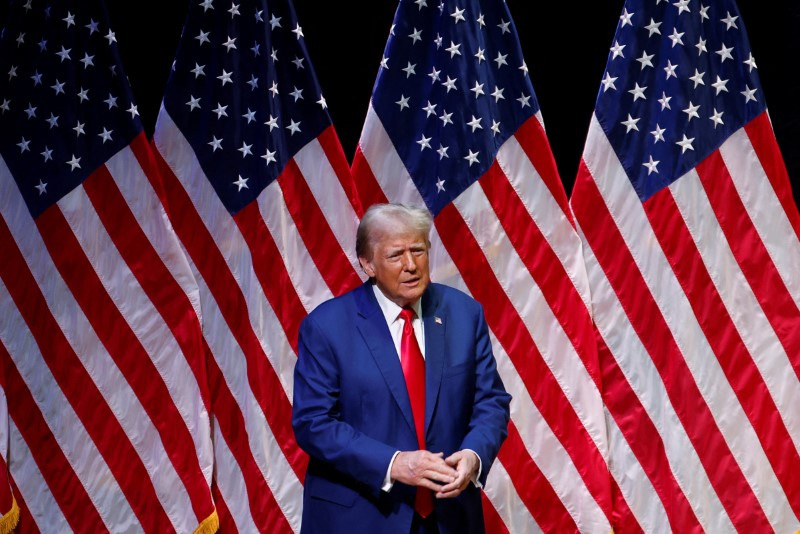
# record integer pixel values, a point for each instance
(446, 477)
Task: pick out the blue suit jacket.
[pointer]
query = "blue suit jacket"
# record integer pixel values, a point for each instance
(351, 410)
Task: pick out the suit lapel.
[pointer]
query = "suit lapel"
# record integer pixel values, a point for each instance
(372, 326)
(435, 324)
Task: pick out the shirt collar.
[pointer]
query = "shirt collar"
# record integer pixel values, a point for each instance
(391, 310)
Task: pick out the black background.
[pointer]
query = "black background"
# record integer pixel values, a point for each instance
(565, 45)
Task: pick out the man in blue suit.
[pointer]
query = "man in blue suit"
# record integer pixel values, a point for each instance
(360, 401)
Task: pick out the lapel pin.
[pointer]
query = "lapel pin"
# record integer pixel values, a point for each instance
(438, 320)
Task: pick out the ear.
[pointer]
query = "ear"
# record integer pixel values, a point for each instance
(367, 266)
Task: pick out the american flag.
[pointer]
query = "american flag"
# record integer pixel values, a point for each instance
(261, 196)
(454, 125)
(691, 244)
(101, 352)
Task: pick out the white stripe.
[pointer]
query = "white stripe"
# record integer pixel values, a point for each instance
(757, 334)
(645, 381)
(547, 451)
(331, 198)
(231, 484)
(65, 425)
(505, 500)
(545, 212)
(179, 155)
(764, 209)
(303, 272)
(627, 211)
(31, 485)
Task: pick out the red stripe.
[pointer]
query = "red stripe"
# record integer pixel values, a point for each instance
(532, 487)
(533, 140)
(512, 333)
(226, 523)
(723, 337)
(646, 444)
(759, 130)
(616, 260)
(544, 266)
(227, 414)
(752, 256)
(26, 523)
(322, 245)
(369, 190)
(333, 151)
(174, 307)
(492, 521)
(206, 256)
(66, 488)
(6, 498)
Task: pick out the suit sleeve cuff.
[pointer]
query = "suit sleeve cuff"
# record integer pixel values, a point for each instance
(388, 483)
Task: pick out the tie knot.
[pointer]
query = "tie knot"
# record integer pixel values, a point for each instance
(407, 315)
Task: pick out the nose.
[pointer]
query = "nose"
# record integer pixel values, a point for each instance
(409, 264)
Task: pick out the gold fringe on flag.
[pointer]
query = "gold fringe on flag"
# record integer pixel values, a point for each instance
(209, 525)
(9, 521)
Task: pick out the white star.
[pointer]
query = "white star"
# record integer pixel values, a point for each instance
(245, 149)
(225, 77)
(429, 109)
(645, 60)
(630, 124)
(500, 60)
(133, 110)
(478, 89)
(297, 94)
(64, 54)
(403, 102)
(450, 84)
(230, 43)
(651, 166)
(384, 62)
(215, 143)
(272, 122)
(691, 111)
(274, 89)
(495, 127)
(59, 88)
(608, 81)
(42, 187)
(749, 94)
(269, 157)
(475, 123)
(409, 70)
(638, 92)
(682, 6)
(434, 75)
(111, 37)
(658, 133)
(30, 111)
(703, 12)
(83, 94)
(438, 41)
(626, 18)
(670, 70)
(294, 127)
(716, 118)
(220, 111)
(504, 26)
(250, 116)
(253, 83)
(725, 53)
(472, 157)
(322, 102)
(616, 50)
(701, 46)
(234, 10)
(523, 100)
(685, 144)
(458, 15)
(275, 22)
(198, 70)
(259, 15)
(106, 135)
(111, 101)
(524, 68)
(37, 79)
(479, 55)
(87, 61)
(256, 49)
(274, 55)
(241, 183)
(79, 129)
(206, 5)
(298, 62)
(719, 85)
(653, 27)
(415, 36)
(75, 163)
(298, 31)
(442, 151)
(697, 78)
(424, 142)
(23, 145)
(480, 20)
(445, 118)
(453, 49)
(421, 3)
(28, 6)
(676, 37)
(751, 62)
(47, 154)
(69, 19)
(203, 38)
(439, 185)
(498, 94)
(729, 21)
(20, 40)
(52, 121)
(193, 103)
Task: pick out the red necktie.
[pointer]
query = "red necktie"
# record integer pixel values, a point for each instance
(414, 371)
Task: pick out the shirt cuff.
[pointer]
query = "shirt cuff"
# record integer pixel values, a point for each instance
(388, 483)
(476, 480)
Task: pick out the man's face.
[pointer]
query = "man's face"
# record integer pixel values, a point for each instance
(399, 264)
